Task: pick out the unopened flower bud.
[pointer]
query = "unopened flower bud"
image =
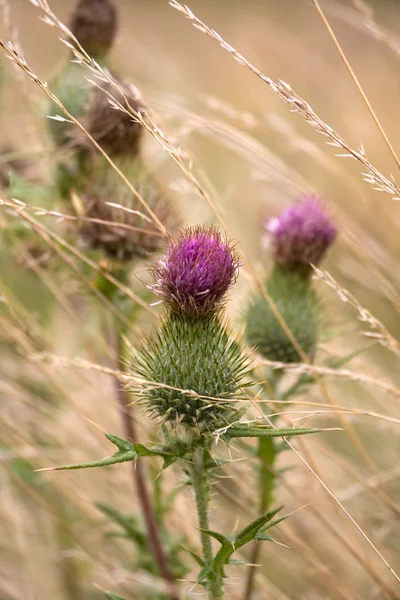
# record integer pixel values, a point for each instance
(123, 230)
(94, 24)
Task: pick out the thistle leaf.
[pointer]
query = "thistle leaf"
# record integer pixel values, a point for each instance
(217, 536)
(122, 445)
(241, 431)
(196, 557)
(118, 457)
(127, 451)
(260, 537)
(248, 533)
(229, 545)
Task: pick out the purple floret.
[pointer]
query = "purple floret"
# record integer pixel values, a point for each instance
(197, 271)
(302, 234)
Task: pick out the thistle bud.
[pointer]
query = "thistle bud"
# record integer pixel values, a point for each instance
(301, 235)
(119, 230)
(94, 24)
(196, 273)
(117, 132)
(298, 305)
(114, 129)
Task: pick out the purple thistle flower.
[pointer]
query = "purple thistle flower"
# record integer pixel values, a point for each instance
(196, 272)
(302, 234)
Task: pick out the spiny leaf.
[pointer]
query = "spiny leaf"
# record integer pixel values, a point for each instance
(241, 431)
(143, 451)
(127, 451)
(229, 545)
(248, 533)
(118, 457)
(273, 523)
(218, 536)
(196, 557)
(126, 522)
(168, 461)
(112, 596)
(233, 561)
(216, 462)
(260, 537)
(122, 445)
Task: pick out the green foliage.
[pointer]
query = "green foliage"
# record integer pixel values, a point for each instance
(232, 543)
(73, 90)
(264, 431)
(127, 451)
(200, 371)
(298, 304)
(132, 529)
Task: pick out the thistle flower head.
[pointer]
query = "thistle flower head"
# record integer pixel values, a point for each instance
(115, 130)
(197, 271)
(94, 24)
(302, 234)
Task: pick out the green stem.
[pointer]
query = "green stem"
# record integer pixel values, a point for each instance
(266, 485)
(267, 454)
(201, 488)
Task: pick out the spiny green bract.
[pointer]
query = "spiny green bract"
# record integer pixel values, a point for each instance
(299, 307)
(193, 355)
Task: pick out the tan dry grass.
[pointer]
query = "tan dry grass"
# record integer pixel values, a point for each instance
(75, 436)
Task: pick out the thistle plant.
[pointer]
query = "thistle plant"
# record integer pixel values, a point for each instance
(93, 24)
(191, 374)
(298, 239)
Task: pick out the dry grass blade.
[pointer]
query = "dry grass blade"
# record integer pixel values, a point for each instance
(13, 55)
(380, 333)
(356, 82)
(284, 91)
(332, 495)
(312, 369)
(348, 515)
(39, 211)
(53, 240)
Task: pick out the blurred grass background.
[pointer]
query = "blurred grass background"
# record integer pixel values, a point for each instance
(254, 157)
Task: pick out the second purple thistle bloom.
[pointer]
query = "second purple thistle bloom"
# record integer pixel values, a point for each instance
(197, 271)
(302, 234)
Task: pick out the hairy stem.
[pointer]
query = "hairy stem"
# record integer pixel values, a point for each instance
(201, 488)
(138, 474)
